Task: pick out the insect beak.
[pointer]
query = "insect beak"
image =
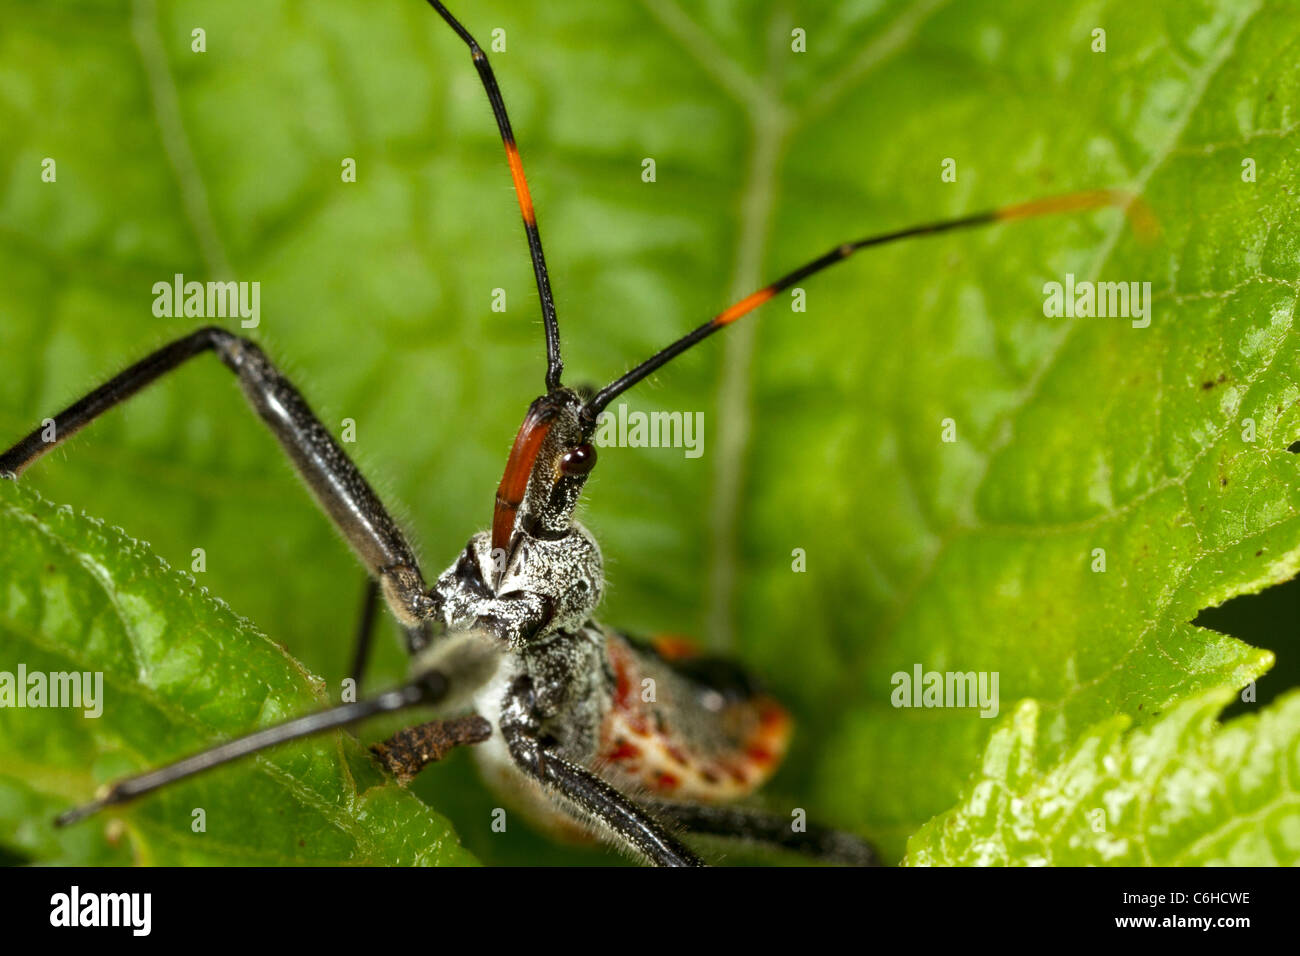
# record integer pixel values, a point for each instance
(519, 467)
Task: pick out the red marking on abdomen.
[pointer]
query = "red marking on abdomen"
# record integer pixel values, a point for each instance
(666, 782)
(624, 751)
(638, 741)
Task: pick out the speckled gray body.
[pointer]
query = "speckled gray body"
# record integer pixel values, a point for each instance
(528, 615)
(527, 611)
(540, 587)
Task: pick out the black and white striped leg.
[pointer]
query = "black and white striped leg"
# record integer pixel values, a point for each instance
(590, 796)
(333, 479)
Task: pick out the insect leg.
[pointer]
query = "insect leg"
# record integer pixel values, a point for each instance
(332, 477)
(365, 631)
(412, 749)
(416, 637)
(581, 789)
(757, 826)
(428, 688)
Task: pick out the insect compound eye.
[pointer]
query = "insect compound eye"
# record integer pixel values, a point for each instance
(578, 461)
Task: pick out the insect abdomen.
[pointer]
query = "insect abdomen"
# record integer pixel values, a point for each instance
(686, 726)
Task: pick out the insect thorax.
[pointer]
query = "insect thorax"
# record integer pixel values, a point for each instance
(528, 613)
(543, 585)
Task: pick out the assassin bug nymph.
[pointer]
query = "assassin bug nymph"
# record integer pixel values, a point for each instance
(505, 638)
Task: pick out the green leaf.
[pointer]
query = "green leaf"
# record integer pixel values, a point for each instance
(1177, 792)
(822, 428)
(1091, 434)
(176, 670)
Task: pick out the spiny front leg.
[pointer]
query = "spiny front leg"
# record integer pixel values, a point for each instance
(412, 749)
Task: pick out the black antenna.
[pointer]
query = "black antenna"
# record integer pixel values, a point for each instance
(1072, 202)
(554, 365)
(428, 688)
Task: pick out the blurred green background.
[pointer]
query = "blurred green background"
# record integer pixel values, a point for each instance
(821, 427)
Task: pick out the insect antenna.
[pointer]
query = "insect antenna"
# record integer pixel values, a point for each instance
(1143, 224)
(428, 688)
(554, 365)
